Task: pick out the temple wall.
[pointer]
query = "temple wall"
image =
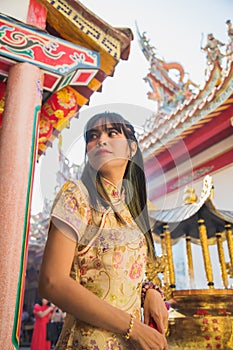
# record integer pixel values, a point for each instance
(222, 179)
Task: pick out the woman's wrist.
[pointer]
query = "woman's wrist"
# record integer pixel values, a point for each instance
(147, 286)
(129, 331)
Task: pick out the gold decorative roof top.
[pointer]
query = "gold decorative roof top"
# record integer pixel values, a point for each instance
(183, 220)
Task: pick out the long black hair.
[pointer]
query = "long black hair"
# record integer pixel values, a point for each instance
(134, 176)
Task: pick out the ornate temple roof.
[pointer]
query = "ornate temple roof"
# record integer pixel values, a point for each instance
(215, 97)
(74, 22)
(183, 220)
(188, 119)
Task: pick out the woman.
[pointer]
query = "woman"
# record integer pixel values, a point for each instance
(42, 312)
(99, 244)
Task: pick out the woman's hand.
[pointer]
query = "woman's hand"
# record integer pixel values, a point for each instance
(155, 308)
(144, 337)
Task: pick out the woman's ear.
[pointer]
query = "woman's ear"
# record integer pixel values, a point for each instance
(133, 148)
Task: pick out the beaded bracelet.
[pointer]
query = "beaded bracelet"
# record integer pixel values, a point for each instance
(128, 334)
(149, 285)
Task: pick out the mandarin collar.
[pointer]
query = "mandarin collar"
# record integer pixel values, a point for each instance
(115, 195)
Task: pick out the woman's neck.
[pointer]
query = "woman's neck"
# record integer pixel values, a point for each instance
(114, 179)
(114, 175)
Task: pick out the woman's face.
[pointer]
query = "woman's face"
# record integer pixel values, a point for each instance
(107, 149)
(44, 301)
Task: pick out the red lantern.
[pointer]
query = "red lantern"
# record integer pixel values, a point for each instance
(45, 130)
(61, 105)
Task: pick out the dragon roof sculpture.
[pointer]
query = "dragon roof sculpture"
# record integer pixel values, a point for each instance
(169, 83)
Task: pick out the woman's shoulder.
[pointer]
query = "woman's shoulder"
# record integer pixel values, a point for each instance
(75, 189)
(72, 207)
(37, 307)
(70, 186)
(77, 185)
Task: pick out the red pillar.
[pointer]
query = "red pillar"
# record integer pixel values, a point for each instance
(18, 149)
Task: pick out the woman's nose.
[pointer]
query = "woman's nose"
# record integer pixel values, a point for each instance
(102, 139)
(102, 143)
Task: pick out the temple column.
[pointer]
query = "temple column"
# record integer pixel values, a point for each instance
(167, 238)
(163, 244)
(205, 252)
(222, 259)
(229, 265)
(18, 149)
(166, 279)
(190, 261)
(229, 242)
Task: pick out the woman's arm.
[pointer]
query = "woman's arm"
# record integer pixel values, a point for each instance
(42, 314)
(56, 285)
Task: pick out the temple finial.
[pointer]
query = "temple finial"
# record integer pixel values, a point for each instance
(190, 196)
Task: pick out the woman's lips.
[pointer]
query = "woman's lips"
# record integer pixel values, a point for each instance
(101, 152)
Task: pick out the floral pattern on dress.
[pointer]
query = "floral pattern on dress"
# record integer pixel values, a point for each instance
(71, 203)
(117, 259)
(110, 262)
(93, 287)
(113, 344)
(136, 270)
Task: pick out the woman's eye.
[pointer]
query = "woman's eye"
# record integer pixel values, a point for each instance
(92, 137)
(113, 133)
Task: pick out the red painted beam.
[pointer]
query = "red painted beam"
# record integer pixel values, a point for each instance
(162, 188)
(200, 139)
